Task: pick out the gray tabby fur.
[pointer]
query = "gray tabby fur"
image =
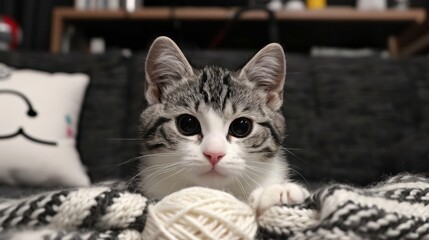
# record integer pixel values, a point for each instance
(173, 87)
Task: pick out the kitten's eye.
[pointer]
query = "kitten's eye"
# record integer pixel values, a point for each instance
(240, 127)
(188, 125)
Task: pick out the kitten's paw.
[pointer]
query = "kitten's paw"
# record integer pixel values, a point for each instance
(277, 194)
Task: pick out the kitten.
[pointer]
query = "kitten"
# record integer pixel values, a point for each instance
(216, 128)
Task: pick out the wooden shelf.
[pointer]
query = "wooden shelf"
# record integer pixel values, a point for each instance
(329, 14)
(216, 13)
(61, 15)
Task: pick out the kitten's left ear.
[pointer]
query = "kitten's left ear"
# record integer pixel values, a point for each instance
(266, 71)
(165, 65)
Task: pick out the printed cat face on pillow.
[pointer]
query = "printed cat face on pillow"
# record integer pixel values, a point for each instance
(212, 127)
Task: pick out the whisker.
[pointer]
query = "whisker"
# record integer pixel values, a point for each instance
(141, 157)
(253, 180)
(294, 149)
(187, 181)
(159, 169)
(291, 153)
(254, 174)
(245, 177)
(245, 181)
(125, 139)
(241, 187)
(308, 184)
(144, 156)
(261, 171)
(254, 170)
(156, 173)
(258, 158)
(269, 163)
(129, 161)
(169, 191)
(129, 182)
(150, 155)
(260, 163)
(149, 170)
(169, 176)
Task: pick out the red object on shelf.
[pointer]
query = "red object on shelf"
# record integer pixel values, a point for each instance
(10, 33)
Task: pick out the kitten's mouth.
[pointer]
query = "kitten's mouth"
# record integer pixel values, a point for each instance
(213, 173)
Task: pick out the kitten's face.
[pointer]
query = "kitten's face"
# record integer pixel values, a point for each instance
(211, 127)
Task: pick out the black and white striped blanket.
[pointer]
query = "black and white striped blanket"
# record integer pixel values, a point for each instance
(397, 208)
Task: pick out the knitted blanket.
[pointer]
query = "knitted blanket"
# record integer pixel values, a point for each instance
(397, 208)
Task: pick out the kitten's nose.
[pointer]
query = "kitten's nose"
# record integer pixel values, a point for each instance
(214, 157)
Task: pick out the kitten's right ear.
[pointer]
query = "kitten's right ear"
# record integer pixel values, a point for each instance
(267, 71)
(164, 63)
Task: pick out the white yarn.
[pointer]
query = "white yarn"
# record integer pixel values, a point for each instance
(200, 213)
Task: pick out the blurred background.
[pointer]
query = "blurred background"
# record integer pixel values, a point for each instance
(142, 23)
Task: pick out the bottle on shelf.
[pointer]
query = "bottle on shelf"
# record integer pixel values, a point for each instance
(316, 4)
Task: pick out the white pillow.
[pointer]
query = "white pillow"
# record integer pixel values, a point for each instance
(41, 150)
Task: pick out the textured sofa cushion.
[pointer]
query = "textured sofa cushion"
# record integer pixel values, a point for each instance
(103, 112)
(365, 118)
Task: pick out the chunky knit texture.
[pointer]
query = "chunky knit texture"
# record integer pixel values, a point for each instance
(394, 209)
(397, 208)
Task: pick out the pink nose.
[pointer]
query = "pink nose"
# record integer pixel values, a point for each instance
(214, 158)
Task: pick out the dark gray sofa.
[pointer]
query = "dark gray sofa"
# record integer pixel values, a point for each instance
(348, 120)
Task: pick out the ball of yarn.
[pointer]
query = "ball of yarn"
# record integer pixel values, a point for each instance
(200, 213)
